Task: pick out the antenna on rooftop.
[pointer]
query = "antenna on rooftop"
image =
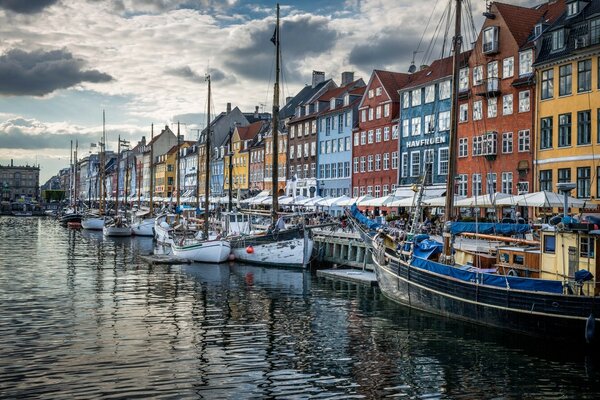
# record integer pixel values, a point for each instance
(413, 68)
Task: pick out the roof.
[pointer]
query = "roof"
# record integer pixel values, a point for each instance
(167, 130)
(438, 69)
(250, 131)
(304, 95)
(339, 91)
(520, 20)
(392, 81)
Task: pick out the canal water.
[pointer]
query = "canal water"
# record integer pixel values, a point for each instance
(81, 317)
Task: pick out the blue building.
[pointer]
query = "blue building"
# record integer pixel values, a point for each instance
(334, 136)
(424, 126)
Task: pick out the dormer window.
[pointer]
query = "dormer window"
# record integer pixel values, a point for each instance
(307, 109)
(371, 93)
(347, 100)
(298, 111)
(572, 8)
(378, 91)
(490, 40)
(537, 31)
(558, 39)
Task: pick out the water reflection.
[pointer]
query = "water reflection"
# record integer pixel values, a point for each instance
(82, 316)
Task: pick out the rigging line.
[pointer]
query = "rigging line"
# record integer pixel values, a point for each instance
(445, 42)
(429, 51)
(427, 25)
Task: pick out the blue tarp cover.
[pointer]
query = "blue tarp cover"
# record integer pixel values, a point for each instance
(372, 225)
(426, 248)
(512, 282)
(504, 229)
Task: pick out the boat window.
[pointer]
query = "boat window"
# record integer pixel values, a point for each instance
(549, 244)
(518, 259)
(504, 257)
(232, 218)
(586, 247)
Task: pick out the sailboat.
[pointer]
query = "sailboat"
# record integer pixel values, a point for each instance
(119, 226)
(96, 222)
(556, 296)
(280, 246)
(72, 216)
(209, 247)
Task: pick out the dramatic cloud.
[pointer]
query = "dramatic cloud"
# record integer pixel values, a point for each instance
(26, 6)
(187, 73)
(384, 52)
(38, 73)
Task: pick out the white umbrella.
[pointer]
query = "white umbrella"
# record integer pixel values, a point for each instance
(440, 201)
(484, 200)
(546, 199)
(286, 201)
(377, 202)
(334, 201)
(313, 201)
(405, 202)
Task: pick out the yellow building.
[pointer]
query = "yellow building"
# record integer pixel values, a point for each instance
(282, 144)
(568, 103)
(165, 172)
(242, 139)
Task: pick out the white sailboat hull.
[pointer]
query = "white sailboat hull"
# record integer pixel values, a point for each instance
(143, 228)
(210, 251)
(293, 253)
(94, 224)
(162, 234)
(116, 231)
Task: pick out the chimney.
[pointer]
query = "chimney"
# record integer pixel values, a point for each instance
(256, 112)
(228, 108)
(347, 77)
(288, 99)
(11, 162)
(317, 77)
(143, 140)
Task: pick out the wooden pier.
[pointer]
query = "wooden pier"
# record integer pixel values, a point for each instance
(342, 249)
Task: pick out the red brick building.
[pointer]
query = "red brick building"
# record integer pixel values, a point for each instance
(496, 102)
(377, 135)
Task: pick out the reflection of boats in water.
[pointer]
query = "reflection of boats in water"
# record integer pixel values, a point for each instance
(208, 273)
(292, 281)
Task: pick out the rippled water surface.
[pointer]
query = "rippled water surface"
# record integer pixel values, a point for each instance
(82, 317)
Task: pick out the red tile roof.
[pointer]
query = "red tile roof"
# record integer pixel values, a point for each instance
(338, 91)
(392, 81)
(521, 20)
(250, 131)
(438, 69)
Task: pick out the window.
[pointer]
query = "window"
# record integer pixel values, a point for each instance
(463, 80)
(444, 121)
(507, 142)
(363, 138)
(370, 114)
(429, 124)
(463, 147)
(546, 180)
(443, 156)
(584, 127)
(444, 88)
(490, 39)
(477, 189)
(377, 190)
(378, 91)
(492, 70)
(371, 93)
(416, 97)
(564, 175)
(347, 140)
(586, 247)
(415, 163)
(522, 187)
(525, 61)
(356, 138)
(348, 122)
(584, 76)
(405, 127)
(355, 165)
(464, 112)
(298, 151)
(477, 75)
(377, 162)
(405, 100)
(369, 190)
(305, 149)
(378, 135)
(347, 169)
(547, 84)
(313, 149)
(370, 136)
(558, 39)
(462, 185)
(386, 190)
(292, 148)
(404, 163)
(508, 67)
(362, 163)
(492, 109)
(386, 133)
(386, 110)
(416, 126)
(491, 179)
(378, 112)
(583, 182)
(507, 182)
(386, 161)
(355, 192)
(546, 133)
(524, 140)
(328, 146)
(362, 190)
(595, 31)
(564, 130)
(477, 106)
(507, 104)
(524, 101)
(394, 131)
(370, 162)
(572, 8)
(429, 94)
(363, 115)
(564, 80)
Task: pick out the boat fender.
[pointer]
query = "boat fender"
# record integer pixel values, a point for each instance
(590, 329)
(555, 220)
(249, 249)
(512, 272)
(231, 257)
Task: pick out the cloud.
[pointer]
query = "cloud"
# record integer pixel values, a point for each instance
(26, 6)
(385, 51)
(187, 73)
(39, 72)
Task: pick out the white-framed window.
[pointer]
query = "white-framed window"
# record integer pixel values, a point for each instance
(370, 136)
(405, 127)
(377, 162)
(507, 104)
(492, 107)
(463, 147)
(404, 171)
(348, 146)
(332, 103)
(362, 190)
(394, 160)
(524, 140)
(370, 162)
(477, 110)
(405, 100)
(313, 149)
(429, 94)
(490, 184)
(444, 89)
(429, 124)
(394, 131)
(378, 91)
(415, 163)
(476, 185)
(386, 161)
(305, 149)
(377, 190)
(416, 126)
(298, 151)
(507, 142)
(292, 148)
(463, 79)
(443, 157)
(572, 8)
(416, 97)
(492, 70)
(462, 185)
(477, 75)
(363, 115)
(386, 190)
(355, 165)
(328, 147)
(507, 182)
(363, 138)
(356, 138)
(444, 121)
(370, 114)
(377, 135)
(525, 62)
(508, 67)
(362, 163)
(371, 93)
(522, 187)
(463, 115)
(386, 110)
(490, 39)
(524, 101)
(378, 112)
(386, 133)
(369, 190)
(355, 192)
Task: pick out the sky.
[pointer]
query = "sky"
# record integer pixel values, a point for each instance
(62, 62)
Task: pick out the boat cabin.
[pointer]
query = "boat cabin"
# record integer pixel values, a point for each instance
(518, 261)
(236, 224)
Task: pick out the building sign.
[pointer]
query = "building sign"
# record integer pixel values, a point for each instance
(426, 142)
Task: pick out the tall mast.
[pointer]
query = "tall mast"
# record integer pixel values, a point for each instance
(230, 177)
(177, 171)
(76, 187)
(71, 177)
(151, 170)
(452, 140)
(198, 173)
(275, 120)
(117, 188)
(102, 164)
(207, 165)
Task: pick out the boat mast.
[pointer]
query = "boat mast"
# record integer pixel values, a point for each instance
(207, 164)
(275, 120)
(71, 177)
(198, 173)
(452, 140)
(151, 170)
(76, 188)
(177, 172)
(117, 188)
(102, 164)
(230, 177)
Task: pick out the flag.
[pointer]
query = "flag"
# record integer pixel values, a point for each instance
(274, 37)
